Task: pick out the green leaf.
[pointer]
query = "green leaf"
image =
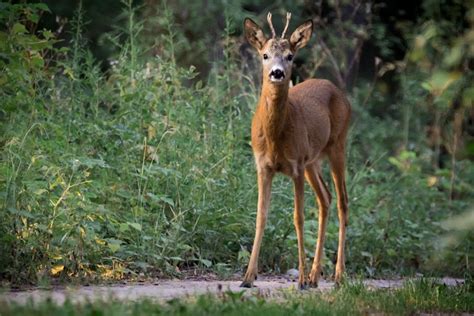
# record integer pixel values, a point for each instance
(124, 194)
(441, 80)
(3, 43)
(90, 162)
(18, 28)
(468, 96)
(454, 56)
(113, 247)
(175, 258)
(155, 198)
(43, 228)
(40, 191)
(20, 212)
(69, 72)
(135, 226)
(37, 61)
(391, 252)
(394, 161)
(34, 18)
(427, 86)
(206, 262)
(167, 200)
(42, 6)
(114, 244)
(142, 265)
(124, 227)
(47, 34)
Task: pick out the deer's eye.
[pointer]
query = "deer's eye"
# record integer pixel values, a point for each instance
(265, 56)
(290, 57)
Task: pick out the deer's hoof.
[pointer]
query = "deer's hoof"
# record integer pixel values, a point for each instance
(246, 284)
(314, 279)
(303, 286)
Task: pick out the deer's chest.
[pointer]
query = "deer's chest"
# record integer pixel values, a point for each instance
(277, 155)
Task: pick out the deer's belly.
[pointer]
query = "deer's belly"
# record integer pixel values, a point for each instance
(290, 167)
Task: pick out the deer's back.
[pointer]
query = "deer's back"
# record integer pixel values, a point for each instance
(323, 108)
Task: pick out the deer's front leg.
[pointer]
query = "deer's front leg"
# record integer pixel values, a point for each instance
(299, 226)
(264, 191)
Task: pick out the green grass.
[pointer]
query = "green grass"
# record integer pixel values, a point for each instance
(413, 298)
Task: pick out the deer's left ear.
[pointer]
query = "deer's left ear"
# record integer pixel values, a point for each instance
(301, 35)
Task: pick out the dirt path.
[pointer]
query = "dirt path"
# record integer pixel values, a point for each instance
(168, 289)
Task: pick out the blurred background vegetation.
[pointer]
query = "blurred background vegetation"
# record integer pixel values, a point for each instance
(125, 137)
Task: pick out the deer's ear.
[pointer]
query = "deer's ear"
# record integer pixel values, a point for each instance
(254, 34)
(301, 35)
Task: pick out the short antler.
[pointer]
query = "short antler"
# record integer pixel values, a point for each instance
(269, 19)
(288, 17)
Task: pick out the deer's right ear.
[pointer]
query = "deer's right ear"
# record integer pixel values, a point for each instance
(254, 34)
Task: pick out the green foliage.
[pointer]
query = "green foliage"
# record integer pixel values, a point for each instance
(145, 169)
(22, 60)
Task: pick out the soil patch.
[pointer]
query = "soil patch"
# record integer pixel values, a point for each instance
(169, 289)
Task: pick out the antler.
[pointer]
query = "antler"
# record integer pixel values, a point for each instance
(269, 19)
(288, 17)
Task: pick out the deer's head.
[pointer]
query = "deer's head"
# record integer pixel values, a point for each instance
(277, 53)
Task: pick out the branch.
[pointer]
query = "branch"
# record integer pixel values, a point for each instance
(334, 63)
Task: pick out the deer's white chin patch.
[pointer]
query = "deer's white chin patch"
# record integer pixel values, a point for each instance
(275, 80)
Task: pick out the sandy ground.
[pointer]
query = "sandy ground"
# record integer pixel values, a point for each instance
(163, 290)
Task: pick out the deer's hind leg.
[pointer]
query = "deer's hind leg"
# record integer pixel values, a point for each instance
(323, 197)
(337, 160)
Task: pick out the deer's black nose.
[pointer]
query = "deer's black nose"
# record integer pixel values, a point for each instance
(277, 74)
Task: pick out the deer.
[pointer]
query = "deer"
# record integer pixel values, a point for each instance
(293, 131)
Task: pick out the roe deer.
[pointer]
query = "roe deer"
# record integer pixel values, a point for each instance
(292, 130)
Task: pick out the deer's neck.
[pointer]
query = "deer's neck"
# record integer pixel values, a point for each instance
(273, 109)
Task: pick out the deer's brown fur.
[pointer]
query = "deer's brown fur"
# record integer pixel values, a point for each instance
(293, 129)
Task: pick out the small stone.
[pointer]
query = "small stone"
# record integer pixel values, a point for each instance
(292, 275)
